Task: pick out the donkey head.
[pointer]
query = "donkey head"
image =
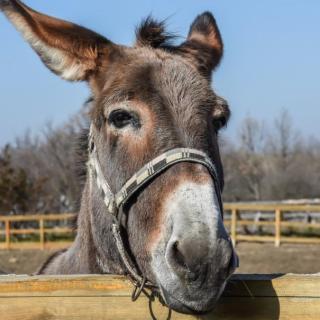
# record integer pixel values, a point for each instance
(148, 99)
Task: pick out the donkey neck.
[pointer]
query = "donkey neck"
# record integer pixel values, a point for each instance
(94, 242)
(93, 250)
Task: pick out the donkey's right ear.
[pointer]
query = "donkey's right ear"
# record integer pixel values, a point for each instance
(67, 49)
(204, 46)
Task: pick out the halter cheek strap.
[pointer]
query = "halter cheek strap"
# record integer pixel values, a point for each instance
(115, 202)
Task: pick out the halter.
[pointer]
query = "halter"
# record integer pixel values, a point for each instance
(114, 202)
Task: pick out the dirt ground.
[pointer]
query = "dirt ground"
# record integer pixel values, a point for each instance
(254, 258)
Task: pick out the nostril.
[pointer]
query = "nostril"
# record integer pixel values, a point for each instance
(186, 256)
(177, 255)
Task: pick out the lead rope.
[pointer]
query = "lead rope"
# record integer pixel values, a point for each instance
(141, 284)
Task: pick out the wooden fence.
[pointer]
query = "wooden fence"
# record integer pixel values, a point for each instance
(277, 223)
(234, 224)
(247, 297)
(42, 230)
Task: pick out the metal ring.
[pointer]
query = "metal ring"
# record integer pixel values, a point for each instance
(138, 289)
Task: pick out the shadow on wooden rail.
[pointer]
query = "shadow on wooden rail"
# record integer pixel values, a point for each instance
(107, 297)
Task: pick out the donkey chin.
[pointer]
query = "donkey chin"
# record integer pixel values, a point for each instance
(194, 257)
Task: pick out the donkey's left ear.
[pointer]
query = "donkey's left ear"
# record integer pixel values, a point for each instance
(69, 50)
(204, 46)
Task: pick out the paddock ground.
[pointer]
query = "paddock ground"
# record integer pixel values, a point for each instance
(254, 258)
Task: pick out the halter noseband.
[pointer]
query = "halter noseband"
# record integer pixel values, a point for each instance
(115, 202)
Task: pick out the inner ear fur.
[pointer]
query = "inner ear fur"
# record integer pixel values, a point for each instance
(69, 50)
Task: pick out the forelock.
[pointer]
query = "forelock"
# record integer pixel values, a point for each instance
(153, 33)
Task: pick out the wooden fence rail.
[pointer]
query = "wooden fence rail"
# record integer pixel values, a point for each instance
(104, 297)
(234, 224)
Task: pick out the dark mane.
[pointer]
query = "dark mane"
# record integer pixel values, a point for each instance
(81, 148)
(81, 154)
(153, 33)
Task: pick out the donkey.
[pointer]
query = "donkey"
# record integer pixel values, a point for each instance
(153, 108)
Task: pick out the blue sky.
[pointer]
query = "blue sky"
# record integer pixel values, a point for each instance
(271, 62)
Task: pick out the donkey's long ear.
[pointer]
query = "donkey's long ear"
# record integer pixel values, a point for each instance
(204, 46)
(69, 50)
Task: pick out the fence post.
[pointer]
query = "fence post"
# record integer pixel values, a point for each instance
(277, 228)
(41, 229)
(7, 224)
(234, 226)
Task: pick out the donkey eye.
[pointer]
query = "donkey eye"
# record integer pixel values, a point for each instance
(123, 118)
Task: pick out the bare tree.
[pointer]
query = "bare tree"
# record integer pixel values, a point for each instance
(53, 159)
(251, 156)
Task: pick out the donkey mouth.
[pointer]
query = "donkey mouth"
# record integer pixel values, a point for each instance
(200, 296)
(199, 307)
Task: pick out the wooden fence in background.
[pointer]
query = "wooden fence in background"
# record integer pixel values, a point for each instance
(104, 297)
(277, 224)
(234, 222)
(42, 230)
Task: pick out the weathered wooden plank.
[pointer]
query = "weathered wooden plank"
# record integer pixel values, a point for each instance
(266, 308)
(36, 217)
(242, 237)
(35, 245)
(82, 308)
(274, 285)
(41, 231)
(62, 286)
(284, 297)
(7, 230)
(24, 231)
(36, 231)
(310, 240)
(256, 223)
(233, 226)
(300, 224)
(119, 308)
(277, 232)
(59, 230)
